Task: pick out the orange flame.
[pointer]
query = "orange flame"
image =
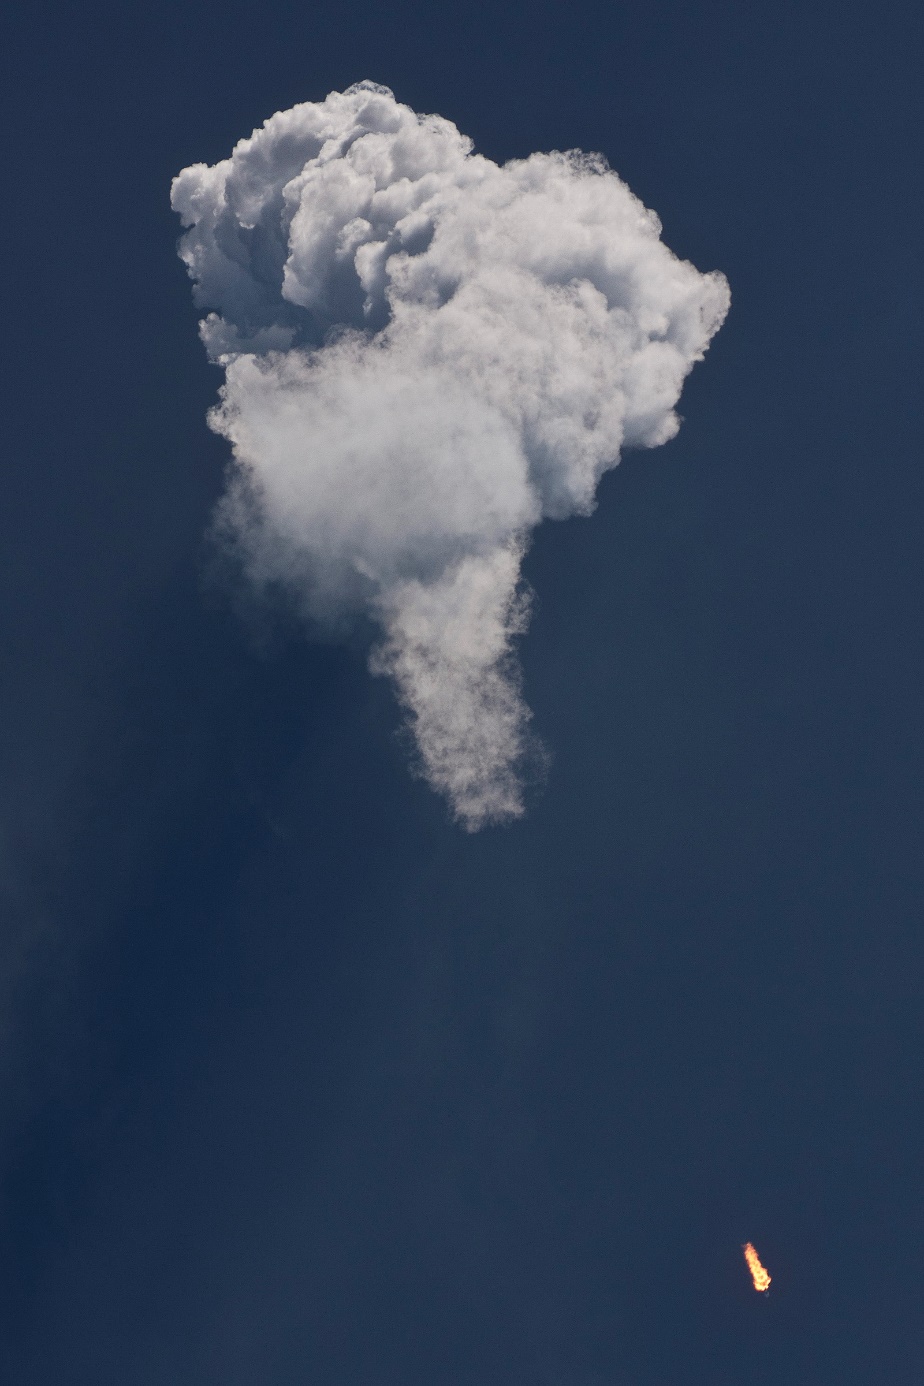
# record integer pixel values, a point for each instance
(760, 1277)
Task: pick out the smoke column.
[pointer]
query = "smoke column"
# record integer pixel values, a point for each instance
(425, 354)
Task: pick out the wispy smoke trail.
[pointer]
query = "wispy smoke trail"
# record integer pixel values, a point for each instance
(425, 354)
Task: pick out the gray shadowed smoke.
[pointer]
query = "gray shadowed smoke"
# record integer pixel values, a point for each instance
(425, 354)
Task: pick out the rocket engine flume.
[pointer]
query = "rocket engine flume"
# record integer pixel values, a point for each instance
(759, 1275)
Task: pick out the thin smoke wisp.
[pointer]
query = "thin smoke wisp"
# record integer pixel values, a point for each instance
(425, 354)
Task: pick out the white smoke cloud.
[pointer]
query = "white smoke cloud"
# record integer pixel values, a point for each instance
(426, 353)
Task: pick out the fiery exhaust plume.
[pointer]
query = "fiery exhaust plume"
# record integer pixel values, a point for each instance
(760, 1277)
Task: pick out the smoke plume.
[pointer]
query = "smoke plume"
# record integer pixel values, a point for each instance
(425, 354)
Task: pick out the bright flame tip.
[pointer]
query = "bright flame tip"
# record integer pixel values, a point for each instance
(759, 1274)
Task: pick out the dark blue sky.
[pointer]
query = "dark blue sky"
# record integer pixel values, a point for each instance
(300, 1084)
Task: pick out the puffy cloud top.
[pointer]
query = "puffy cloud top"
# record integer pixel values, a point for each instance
(425, 354)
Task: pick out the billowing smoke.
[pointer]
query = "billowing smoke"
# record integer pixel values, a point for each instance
(424, 354)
